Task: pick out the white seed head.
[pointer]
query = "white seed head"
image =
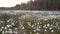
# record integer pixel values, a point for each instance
(38, 23)
(34, 30)
(37, 33)
(48, 25)
(58, 28)
(38, 29)
(32, 25)
(6, 31)
(9, 26)
(52, 30)
(22, 27)
(8, 20)
(3, 32)
(45, 30)
(5, 27)
(2, 27)
(15, 32)
(15, 28)
(39, 26)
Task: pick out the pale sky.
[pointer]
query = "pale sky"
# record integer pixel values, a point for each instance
(10, 3)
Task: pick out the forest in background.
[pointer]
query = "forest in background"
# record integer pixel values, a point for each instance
(36, 5)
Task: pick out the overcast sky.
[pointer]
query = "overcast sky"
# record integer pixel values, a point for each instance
(9, 3)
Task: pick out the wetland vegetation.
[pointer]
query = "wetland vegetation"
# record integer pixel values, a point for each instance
(29, 23)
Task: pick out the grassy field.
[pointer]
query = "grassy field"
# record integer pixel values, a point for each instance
(29, 23)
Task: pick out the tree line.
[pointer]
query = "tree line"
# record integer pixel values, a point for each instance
(37, 5)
